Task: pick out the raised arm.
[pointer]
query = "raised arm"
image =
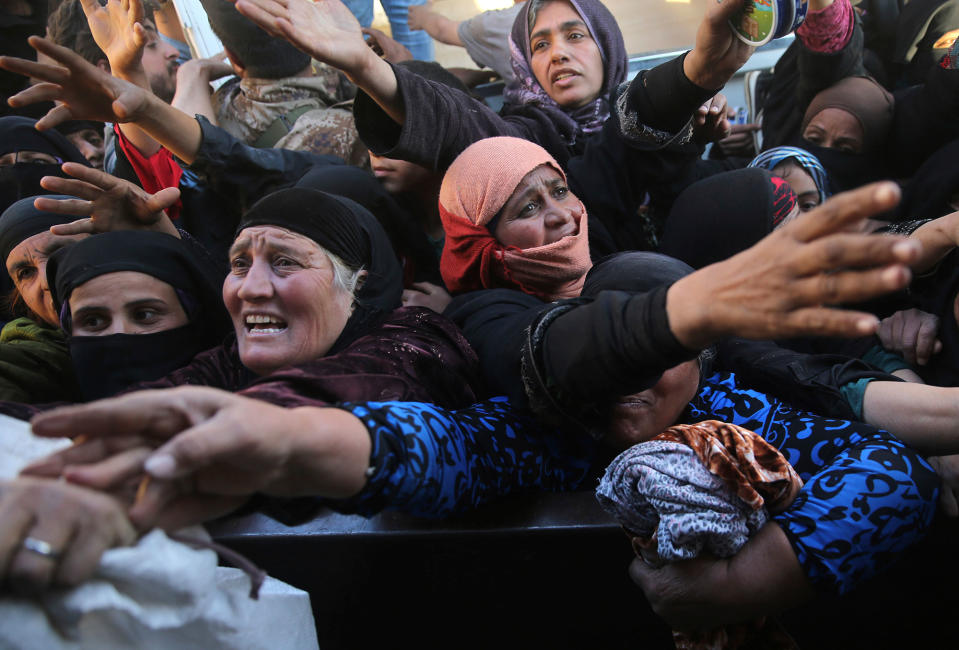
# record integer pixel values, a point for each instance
(438, 26)
(107, 203)
(118, 30)
(328, 31)
(86, 92)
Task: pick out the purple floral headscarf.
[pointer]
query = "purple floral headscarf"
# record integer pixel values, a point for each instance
(526, 89)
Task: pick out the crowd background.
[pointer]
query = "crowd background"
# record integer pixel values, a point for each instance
(339, 280)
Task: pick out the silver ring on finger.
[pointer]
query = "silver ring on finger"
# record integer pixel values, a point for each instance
(40, 547)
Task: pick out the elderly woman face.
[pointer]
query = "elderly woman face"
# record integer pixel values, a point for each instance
(564, 56)
(283, 297)
(125, 302)
(27, 266)
(540, 211)
(640, 417)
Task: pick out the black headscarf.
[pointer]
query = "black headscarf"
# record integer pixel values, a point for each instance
(23, 179)
(348, 230)
(107, 364)
(724, 214)
(405, 235)
(641, 272)
(21, 221)
(928, 193)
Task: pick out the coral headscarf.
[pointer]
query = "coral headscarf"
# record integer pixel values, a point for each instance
(476, 187)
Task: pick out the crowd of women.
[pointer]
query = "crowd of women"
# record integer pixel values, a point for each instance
(510, 301)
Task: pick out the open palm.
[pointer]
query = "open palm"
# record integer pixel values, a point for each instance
(86, 92)
(326, 29)
(117, 29)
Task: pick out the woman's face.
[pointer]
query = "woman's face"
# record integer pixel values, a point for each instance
(835, 128)
(27, 266)
(640, 417)
(540, 211)
(125, 302)
(38, 157)
(807, 194)
(564, 57)
(281, 295)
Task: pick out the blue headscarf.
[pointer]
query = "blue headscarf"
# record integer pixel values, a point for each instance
(772, 157)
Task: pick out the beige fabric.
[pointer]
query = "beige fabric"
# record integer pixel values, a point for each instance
(246, 108)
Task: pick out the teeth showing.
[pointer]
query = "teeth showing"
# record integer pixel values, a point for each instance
(565, 75)
(256, 323)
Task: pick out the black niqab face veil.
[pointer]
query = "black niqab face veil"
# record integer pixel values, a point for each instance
(22, 180)
(107, 364)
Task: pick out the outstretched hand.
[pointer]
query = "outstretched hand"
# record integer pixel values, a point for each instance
(783, 286)
(118, 29)
(108, 202)
(212, 450)
(84, 91)
(386, 47)
(325, 29)
(718, 53)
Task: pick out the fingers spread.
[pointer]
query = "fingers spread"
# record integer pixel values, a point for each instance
(158, 413)
(824, 321)
(163, 199)
(849, 286)
(111, 473)
(847, 250)
(73, 187)
(44, 71)
(844, 210)
(89, 451)
(56, 115)
(64, 206)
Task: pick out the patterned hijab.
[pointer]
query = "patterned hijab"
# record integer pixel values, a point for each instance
(526, 89)
(772, 157)
(476, 187)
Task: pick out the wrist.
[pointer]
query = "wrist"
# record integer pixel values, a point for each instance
(699, 73)
(688, 314)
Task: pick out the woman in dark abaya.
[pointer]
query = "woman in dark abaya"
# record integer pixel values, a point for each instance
(136, 306)
(612, 364)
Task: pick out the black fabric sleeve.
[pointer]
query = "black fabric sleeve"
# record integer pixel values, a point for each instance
(617, 344)
(581, 355)
(665, 97)
(238, 171)
(808, 381)
(495, 322)
(441, 122)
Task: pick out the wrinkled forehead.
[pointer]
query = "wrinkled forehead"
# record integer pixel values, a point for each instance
(266, 237)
